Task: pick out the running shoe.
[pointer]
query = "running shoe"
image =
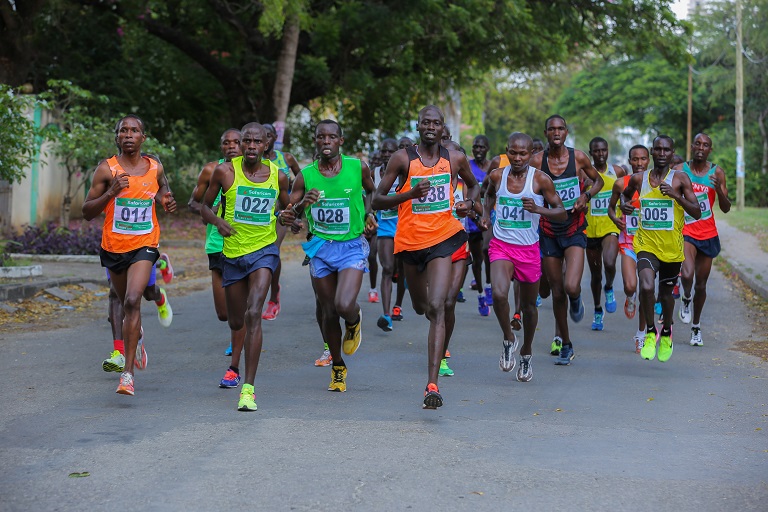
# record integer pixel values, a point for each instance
(597, 323)
(538, 300)
(685, 310)
(489, 295)
(657, 308)
(140, 361)
(353, 336)
(397, 313)
(432, 398)
(114, 363)
(230, 380)
(630, 307)
(272, 310)
(649, 346)
(247, 401)
(228, 350)
(524, 371)
(696, 340)
(338, 379)
(557, 344)
(473, 286)
(447, 354)
(385, 323)
(166, 269)
(325, 359)
(482, 307)
(610, 301)
(676, 291)
(164, 312)
(577, 315)
(517, 322)
(665, 347)
(507, 360)
(373, 296)
(445, 370)
(638, 339)
(566, 356)
(395, 276)
(460, 297)
(126, 384)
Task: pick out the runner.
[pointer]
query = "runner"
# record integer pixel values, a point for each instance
(514, 249)
(404, 142)
(427, 233)
(335, 190)
(249, 186)
(664, 196)
(702, 244)
(538, 146)
(387, 220)
(480, 167)
(127, 187)
(638, 159)
(214, 244)
(602, 233)
(287, 164)
(563, 243)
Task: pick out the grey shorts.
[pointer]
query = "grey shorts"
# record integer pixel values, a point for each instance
(237, 269)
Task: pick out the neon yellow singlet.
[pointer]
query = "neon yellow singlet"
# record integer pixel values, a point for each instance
(598, 222)
(661, 222)
(250, 209)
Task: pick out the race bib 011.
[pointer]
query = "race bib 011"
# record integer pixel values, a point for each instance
(598, 205)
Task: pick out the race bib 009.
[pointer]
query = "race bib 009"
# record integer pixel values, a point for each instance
(706, 208)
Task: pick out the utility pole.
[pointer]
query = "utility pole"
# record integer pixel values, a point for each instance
(739, 113)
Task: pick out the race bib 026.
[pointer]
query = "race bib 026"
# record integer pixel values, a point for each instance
(568, 190)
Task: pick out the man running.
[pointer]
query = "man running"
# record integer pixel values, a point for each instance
(664, 196)
(480, 167)
(250, 186)
(427, 233)
(404, 142)
(702, 243)
(214, 244)
(563, 243)
(335, 191)
(127, 187)
(288, 165)
(518, 192)
(627, 224)
(602, 233)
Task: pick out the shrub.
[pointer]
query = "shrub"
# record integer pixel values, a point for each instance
(54, 239)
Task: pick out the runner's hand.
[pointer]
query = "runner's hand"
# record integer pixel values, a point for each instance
(627, 208)
(668, 190)
(371, 226)
(462, 208)
(296, 226)
(287, 216)
(310, 197)
(421, 189)
(620, 223)
(168, 202)
(118, 184)
(581, 204)
(483, 223)
(530, 205)
(224, 228)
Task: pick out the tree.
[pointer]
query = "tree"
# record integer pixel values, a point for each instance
(17, 133)
(17, 48)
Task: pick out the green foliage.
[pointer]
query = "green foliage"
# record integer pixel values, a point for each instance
(17, 133)
(472, 108)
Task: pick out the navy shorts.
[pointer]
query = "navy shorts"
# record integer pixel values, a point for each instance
(237, 269)
(709, 247)
(555, 247)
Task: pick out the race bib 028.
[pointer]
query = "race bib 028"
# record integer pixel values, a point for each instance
(331, 216)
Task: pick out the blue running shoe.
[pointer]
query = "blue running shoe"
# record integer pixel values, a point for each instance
(597, 323)
(538, 301)
(231, 379)
(566, 356)
(657, 308)
(489, 295)
(385, 323)
(460, 296)
(577, 315)
(228, 351)
(482, 307)
(610, 301)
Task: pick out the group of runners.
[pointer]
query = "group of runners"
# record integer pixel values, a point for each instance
(429, 216)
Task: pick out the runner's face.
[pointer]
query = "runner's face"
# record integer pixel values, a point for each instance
(230, 145)
(271, 138)
(430, 127)
(599, 153)
(538, 146)
(701, 148)
(129, 136)
(386, 151)
(404, 143)
(519, 154)
(479, 150)
(556, 132)
(253, 143)
(662, 153)
(638, 159)
(328, 141)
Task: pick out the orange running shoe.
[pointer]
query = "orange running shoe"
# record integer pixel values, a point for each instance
(126, 384)
(432, 398)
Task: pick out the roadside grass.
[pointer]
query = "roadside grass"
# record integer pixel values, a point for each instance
(752, 220)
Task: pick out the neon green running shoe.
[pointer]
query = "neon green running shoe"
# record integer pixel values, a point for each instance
(557, 344)
(114, 363)
(665, 348)
(247, 401)
(164, 312)
(445, 371)
(649, 346)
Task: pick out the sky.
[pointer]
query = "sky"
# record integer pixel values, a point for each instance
(680, 8)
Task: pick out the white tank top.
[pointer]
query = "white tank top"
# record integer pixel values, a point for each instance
(515, 225)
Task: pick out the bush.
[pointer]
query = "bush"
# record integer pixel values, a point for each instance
(54, 239)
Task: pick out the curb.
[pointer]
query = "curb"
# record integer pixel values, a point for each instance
(78, 258)
(24, 291)
(754, 284)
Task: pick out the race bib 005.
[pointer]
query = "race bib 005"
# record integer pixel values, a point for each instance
(657, 214)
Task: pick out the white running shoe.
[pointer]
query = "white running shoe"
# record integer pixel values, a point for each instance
(696, 340)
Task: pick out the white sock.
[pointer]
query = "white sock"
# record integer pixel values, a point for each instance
(696, 326)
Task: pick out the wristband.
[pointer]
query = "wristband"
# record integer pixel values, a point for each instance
(589, 196)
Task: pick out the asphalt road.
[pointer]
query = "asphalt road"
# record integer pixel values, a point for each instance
(609, 432)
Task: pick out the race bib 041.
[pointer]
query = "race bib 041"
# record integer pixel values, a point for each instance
(510, 214)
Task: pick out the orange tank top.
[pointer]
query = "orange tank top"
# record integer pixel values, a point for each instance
(131, 221)
(427, 221)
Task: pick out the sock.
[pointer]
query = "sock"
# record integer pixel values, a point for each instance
(374, 290)
(161, 264)
(119, 346)
(235, 369)
(696, 326)
(640, 334)
(666, 331)
(599, 309)
(355, 322)
(161, 300)
(607, 288)
(686, 299)
(651, 329)
(574, 302)
(633, 297)
(340, 363)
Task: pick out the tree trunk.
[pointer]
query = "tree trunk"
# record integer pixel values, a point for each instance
(286, 64)
(764, 136)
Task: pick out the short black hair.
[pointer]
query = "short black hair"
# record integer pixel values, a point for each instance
(131, 116)
(330, 121)
(483, 138)
(515, 136)
(432, 107)
(638, 146)
(667, 137)
(228, 130)
(555, 116)
(596, 140)
(251, 126)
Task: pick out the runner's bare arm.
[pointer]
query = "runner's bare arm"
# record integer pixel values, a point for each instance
(286, 216)
(472, 201)
(370, 188)
(491, 183)
(718, 181)
(681, 191)
(584, 165)
(164, 190)
(615, 193)
(221, 179)
(626, 197)
(202, 185)
(103, 190)
(556, 210)
(301, 199)
(397, 167)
